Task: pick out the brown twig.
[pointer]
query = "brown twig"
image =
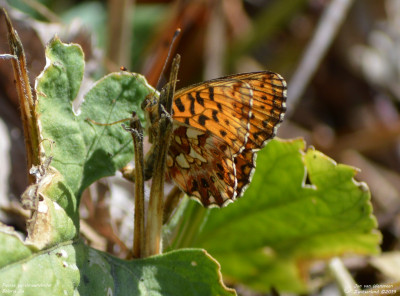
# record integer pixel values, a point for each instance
(171, 202)
(139, 217)
(43, 10)
(215, 45)
(120, 32)
(161, 146)
(27, 103)
(327, 28)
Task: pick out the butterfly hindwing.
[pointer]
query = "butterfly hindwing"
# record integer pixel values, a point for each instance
(202, 165)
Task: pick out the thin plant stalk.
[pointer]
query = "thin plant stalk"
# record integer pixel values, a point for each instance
(139, 220)
(26, 100)
(328, 26)
(343, 278)
(120, 32)
(161, 146)
(171, 202)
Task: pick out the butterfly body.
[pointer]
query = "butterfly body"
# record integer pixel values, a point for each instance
(218, 126)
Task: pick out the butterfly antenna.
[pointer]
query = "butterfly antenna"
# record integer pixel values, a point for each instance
(176, 34)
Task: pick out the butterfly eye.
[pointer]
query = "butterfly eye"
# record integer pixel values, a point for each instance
(150, 101)
(147, 104)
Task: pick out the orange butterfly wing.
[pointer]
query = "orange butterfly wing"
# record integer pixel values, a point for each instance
(218, 126)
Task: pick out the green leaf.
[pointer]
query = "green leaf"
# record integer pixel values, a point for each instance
(76, 269)
(269, 237)
(83, 151)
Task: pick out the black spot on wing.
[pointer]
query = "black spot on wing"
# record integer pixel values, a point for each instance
(202, 119)
(211, 93)
(199, 99)
(204, 183)
(192, 102)
(179, 105)
(214, 115)
(195, 186)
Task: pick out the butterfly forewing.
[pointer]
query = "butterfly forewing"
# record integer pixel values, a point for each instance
(218, 127)
(221, 106)
(268, 106)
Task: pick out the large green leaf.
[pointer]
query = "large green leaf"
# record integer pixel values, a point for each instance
(299, 207)
(72, 268)
(83, 151)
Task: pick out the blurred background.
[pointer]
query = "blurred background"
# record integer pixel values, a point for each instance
(341, 59)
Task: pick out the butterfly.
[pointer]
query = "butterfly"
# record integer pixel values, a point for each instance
(218, 127)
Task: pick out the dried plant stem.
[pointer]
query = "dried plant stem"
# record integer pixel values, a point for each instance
(44, 11)
(216, 43)
(171, 202)
(316, 50)
(139, 217)
(155, 211)
(120, 32)
(27, 103)
(163, 131)
(343, 278)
